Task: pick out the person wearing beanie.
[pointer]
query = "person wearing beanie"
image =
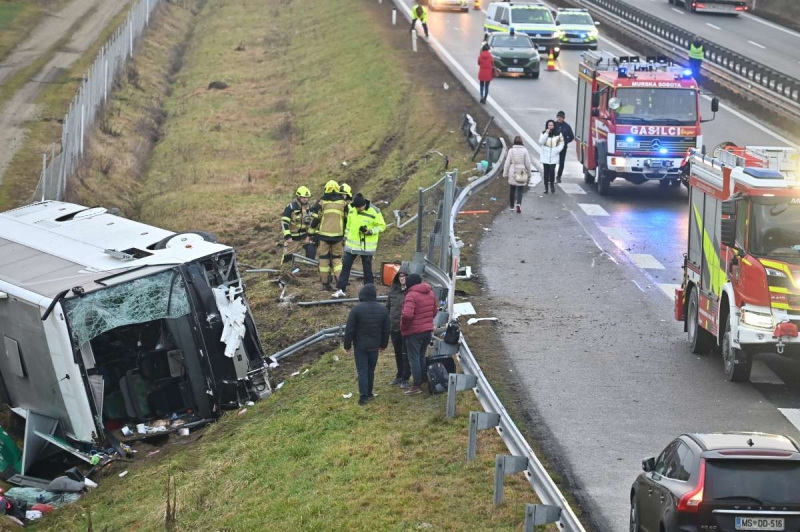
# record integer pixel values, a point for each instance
(394, 304)
(566, 133)
(416, 326)
(368, 331)
(364, 224)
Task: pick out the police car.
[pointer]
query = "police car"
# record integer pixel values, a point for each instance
(533, 19)
(449, 4)
(577, 28)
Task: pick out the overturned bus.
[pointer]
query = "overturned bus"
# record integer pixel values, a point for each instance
(107, 322)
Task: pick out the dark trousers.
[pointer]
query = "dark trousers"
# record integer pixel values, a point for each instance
(400, 356)
(424, 26)
(366, 362)
(549, 175)
(562, 157)
(347, 265)
(416, 346)
(484, 89)
(697, 74)
(515, 195)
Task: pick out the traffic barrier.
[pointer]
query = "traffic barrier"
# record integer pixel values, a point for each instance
(477, 5)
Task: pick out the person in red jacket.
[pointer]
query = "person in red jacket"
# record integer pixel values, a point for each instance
(486, 71)
(416, 326)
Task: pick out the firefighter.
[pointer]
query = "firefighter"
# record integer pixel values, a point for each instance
(418, 12)
(364, 224)
(346, 192)
(296, 226)
(696, 56)
(329, 225)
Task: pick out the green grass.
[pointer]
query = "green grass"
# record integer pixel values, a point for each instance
(308, 459)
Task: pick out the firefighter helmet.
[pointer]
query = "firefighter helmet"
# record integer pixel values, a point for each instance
(345, 190)
(331, 186)
(302, 192)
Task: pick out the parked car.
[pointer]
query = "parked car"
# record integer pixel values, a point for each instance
(442, 5)
(533, 19)
(577, 29)
(514, 54)
(719, 482)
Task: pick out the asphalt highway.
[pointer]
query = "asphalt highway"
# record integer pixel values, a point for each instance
(751, 36)
(582, 286)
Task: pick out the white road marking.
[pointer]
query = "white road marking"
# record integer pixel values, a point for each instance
(570, 76)
(593, 209)
(669, 290)
(757, 45)
(678, 11)
(571, 188)
(793, 415)
(637, 285)
(761, 374)
(710, 25)
(770, 24)
(646, 261)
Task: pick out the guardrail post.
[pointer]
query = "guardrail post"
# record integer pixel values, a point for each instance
(394, 16)
(414, 40)
(540, 514)
(506, 465)
(458, 382)
(479, 421)
(449, 196)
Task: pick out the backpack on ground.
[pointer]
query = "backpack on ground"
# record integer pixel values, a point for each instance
(438, 378)
(453, 333)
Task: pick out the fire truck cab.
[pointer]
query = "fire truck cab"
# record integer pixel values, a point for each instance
(741, 288)
(635, 119)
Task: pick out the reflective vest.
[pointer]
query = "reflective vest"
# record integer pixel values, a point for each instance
(296, 221)
(331, 223)
(364, 243)
(422, 18)
(696, 52)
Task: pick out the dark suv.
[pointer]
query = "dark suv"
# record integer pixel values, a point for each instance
(719, 482)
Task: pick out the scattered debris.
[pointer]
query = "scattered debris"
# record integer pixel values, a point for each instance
(336, 358)
(306, 371)
(474, 212)
(344, 163)
(153, 453)
(242, 411)
(240, 48)
(464, 273)
(183, 432)
(280, 385)
(347, 396)
(217, 85)
(249, 403)
(123, 474)
(295, 374)
(492, 198)
(446, 86)
(473, 321)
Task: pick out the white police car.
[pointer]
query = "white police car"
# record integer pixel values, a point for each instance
(577, 28)
(533, 19)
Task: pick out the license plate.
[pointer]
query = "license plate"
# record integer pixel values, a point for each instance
(760, 523)
(542, 48)
(628, 144)
(576, 40)
(659, 164)
(516, 69)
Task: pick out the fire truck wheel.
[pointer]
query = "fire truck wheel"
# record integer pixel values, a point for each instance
(587, 177)
(700, 340)
(603, 181)
(734, 372)
(676, 182)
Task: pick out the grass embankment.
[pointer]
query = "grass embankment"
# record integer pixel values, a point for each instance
(310, 85)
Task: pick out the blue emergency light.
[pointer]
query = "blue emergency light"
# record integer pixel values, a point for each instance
(629, 139)
(622, 72)
(687, 72)
(663, 151)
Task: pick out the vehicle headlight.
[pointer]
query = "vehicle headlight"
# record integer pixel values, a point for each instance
(772, 272)
(757, 319)
(593, 33)
(558, 33)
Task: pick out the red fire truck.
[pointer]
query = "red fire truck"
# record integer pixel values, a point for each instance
(741, 286)
(635, 119)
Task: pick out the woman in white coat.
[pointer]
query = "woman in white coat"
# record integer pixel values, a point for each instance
(552, 143)
(517, 170)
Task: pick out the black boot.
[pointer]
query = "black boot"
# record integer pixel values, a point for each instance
(552, 188)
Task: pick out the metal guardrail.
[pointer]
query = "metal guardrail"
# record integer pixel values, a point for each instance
(537, 475)
(324, 334)
(732, 68)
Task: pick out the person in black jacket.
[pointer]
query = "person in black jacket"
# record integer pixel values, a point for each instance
(566, 132)
(367, 330)
(394, 304)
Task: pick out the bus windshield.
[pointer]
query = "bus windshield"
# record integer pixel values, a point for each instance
(775, 227)
(657, 106)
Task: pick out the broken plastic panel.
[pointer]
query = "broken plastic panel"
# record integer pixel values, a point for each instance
(158, 296)
(233, 312)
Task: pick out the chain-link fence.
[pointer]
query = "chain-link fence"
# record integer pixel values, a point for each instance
(61, 160)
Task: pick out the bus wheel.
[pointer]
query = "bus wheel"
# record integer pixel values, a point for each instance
(734, 372)
(700, 340)
(587, 177)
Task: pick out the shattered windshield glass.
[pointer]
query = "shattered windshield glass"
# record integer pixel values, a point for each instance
(145, 299)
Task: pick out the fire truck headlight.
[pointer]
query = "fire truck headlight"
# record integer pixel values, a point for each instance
(618, 161)
(756, 319)
(775, 273)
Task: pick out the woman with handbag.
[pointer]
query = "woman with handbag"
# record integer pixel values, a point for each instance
(552, 142)
(486, 71)
(517, 170)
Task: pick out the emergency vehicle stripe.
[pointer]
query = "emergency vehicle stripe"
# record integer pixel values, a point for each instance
(718, 276)
(780, 267)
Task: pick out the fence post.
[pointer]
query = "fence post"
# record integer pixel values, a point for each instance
(420, 214)
(394, 16)
(414, 40)
(130, 36)
(80, 151)
(105, 74)
(479, 421)
(44, 174)
(147, 13)
(506, 465)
